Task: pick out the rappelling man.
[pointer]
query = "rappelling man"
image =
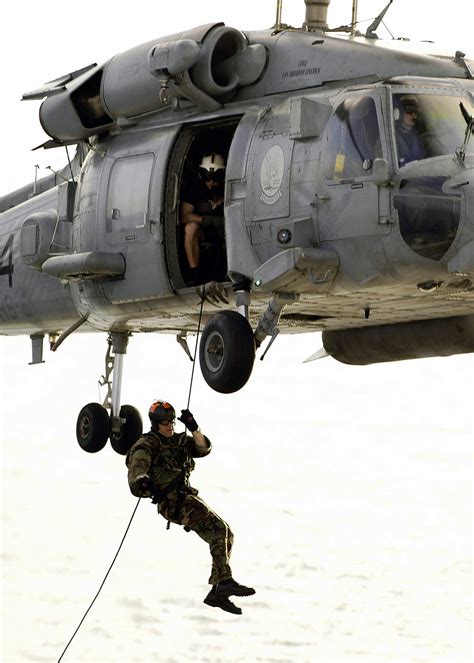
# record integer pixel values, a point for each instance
(159, 465)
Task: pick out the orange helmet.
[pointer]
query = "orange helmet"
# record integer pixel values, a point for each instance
(161, 411)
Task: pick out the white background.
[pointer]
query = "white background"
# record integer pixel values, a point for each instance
(348, 489)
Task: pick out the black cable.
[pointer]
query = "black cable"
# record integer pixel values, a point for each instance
(69, 162)
(196, 346)
(103, 581)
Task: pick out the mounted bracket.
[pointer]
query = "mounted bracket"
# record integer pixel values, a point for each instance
(36, 349)
(267, 325)
(181, 338)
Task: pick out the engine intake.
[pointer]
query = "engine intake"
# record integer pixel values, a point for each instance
(226, 62)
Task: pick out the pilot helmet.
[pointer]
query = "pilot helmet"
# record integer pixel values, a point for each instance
(410, 104)
(161, 411)
(212, 167)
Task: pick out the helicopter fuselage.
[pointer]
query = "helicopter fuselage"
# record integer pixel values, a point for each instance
(321, 209)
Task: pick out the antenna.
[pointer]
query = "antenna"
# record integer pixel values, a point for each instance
(56, 173)
(370, 34)
(278, 16)
(354, 18)
(36, 179)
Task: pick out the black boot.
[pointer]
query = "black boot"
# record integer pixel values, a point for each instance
(220, 601)
(230, 587)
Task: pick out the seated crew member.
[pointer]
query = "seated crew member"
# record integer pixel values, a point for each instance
(409, 144)
(159, 465)
(202, 212)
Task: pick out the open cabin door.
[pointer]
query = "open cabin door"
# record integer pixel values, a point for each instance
(193, 142)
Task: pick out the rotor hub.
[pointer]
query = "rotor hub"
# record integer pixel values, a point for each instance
(316, 14)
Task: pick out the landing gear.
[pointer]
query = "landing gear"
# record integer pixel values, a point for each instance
(92, 428)
(129, 432)
(227, 351)
(228, 344)
(94, 424)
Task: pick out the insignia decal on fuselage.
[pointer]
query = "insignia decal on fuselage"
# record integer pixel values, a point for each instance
(271, 175)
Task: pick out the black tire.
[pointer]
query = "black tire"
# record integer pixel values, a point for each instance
(131, 430)
(227, 351)
(92, 427)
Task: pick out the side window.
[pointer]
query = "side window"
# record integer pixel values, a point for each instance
(429, 212)
(353, 140)
(428, 125)
(128, 197)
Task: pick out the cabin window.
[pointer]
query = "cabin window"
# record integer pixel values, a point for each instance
(428, 125)
(128, 196)
(352, 140)
(428, 212)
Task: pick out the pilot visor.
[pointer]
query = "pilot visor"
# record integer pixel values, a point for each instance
(411, 109)
(216, 175)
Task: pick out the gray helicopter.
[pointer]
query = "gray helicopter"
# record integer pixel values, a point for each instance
(347, 187)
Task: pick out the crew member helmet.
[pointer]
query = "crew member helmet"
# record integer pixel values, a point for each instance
(161, 411)
(212, 167)
(410, 104)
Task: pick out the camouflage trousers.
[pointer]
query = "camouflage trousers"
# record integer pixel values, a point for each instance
(192, 512)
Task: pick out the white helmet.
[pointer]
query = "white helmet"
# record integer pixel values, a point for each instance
(211, 164)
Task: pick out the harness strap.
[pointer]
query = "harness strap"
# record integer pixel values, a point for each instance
(159, 495)
(179, 504)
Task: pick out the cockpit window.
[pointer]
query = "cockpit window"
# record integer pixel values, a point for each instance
(428, 125)
(353, 140)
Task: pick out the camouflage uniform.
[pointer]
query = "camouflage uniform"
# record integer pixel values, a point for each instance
(169, 462)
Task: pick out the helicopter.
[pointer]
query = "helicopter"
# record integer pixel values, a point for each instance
(329, 224)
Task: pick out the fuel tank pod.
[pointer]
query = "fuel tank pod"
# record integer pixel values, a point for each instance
(419, 339)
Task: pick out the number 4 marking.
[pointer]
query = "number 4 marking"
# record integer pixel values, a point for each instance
(9, 268)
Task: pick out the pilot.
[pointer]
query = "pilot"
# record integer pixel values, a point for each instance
(202, 212)
(409, 144)
(159, 465)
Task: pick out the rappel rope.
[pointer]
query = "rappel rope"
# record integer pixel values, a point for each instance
(139, 499)
(103, 581)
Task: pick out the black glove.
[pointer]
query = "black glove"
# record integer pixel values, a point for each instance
(142, 486)
(188, 420)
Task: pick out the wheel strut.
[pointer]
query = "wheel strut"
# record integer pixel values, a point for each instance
(268, 323)
(116, 350)
(124, 424)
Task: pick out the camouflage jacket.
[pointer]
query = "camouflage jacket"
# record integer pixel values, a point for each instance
(163, 458)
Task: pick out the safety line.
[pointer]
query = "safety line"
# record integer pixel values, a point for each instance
(103, 581)
(195, 348)
(139, 499)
